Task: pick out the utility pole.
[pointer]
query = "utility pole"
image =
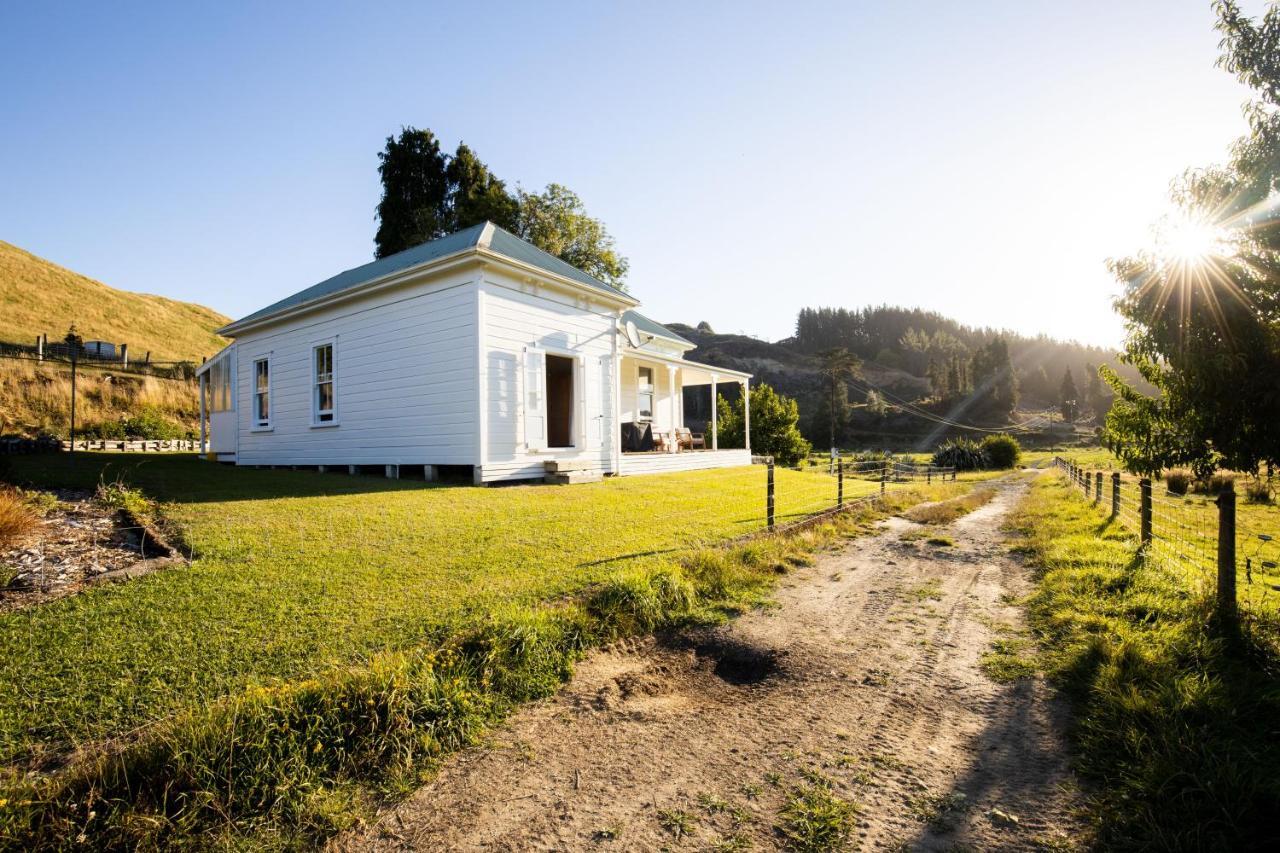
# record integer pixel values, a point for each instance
(73, 346)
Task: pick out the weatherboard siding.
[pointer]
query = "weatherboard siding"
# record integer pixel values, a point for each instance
(514, 320)
(405, 381)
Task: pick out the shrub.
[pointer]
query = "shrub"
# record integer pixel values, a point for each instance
(1258, 491)
(16, 517)
(151, 424)
(147, 423)
(773, 425)
(105, 429)
(1214, 483)
(1177, 480)
(963, 454)
(1003, 450)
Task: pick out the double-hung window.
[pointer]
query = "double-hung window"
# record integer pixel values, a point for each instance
(323, 402)
(262, 393)
(644, 394)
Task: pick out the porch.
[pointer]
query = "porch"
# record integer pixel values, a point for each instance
(696, 460)
(656, 432)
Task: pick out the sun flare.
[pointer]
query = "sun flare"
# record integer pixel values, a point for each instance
(1190, 240)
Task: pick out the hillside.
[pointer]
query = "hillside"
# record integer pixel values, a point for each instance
(40, 297)
(895, 363)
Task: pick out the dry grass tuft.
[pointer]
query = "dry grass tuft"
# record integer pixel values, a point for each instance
(947, 511)
(16, 518)
(1177, 480)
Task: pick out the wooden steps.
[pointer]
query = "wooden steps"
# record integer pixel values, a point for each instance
(567, 472)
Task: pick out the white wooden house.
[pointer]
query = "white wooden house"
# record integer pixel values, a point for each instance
(476, 350)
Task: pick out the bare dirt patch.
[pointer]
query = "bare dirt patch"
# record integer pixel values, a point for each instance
(864, 681)
(76, 544)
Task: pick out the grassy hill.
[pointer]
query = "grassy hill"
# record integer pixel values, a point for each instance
(40, 297)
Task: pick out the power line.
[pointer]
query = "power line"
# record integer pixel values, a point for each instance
(912, 409)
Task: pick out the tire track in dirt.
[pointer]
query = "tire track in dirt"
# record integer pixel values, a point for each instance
(867, 671)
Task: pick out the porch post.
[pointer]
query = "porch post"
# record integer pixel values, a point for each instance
(615, 399)
(715, 424)
(203, 431)
(746, 413)
(671, 386)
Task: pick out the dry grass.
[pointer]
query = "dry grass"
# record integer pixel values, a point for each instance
(1178, 480)
(37, 297)
(945, 512)
(36, 397)
(16, 518)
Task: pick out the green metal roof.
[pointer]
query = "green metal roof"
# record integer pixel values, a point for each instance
(501, 242)
(653, 327)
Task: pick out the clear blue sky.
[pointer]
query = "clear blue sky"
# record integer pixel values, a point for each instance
(978, 159)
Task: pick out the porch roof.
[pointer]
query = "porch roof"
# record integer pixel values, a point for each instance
(695, 372)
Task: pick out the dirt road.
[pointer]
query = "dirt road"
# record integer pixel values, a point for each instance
(866, 672)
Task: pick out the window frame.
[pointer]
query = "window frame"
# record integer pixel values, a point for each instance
(652, 393)
(261, 424)
(316, 413)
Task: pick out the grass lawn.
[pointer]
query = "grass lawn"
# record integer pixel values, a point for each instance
(304, 583)
(298, 571)
(1177, 730)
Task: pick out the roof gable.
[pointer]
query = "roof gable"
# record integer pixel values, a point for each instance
(481, 236)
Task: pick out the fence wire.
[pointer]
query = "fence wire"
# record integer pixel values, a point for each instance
(1184, 533)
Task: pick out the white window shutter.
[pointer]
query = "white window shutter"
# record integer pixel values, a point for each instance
(535, 398)
(588, 408)
(599, 390)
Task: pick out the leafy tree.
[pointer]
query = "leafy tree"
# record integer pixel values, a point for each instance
(1096, 394)
(995, 386)
(476, 195)
(1068, 397)
(876, 404)
(415, 192)
(838, 367)
(705, 327)
(1203, 325)
(556, 221)
(427, 194)
(773, 425)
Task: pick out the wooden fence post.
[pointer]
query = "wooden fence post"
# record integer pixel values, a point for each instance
(1228, 612)
(1097, 489)
(1145, 535)
(840, 485)
(884, 478)
(769, 494)
(1115, 494)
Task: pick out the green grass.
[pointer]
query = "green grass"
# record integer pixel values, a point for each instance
(1185, 529)
(815, 820)
(336, 633)
(1175, 727)
(1009, 659)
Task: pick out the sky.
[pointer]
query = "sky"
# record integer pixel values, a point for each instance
(980, 159)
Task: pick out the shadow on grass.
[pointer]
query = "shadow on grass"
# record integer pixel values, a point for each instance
(185, 478)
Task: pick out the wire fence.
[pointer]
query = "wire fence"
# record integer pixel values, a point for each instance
(180, 371)
(766, 497)
(1220, 549)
